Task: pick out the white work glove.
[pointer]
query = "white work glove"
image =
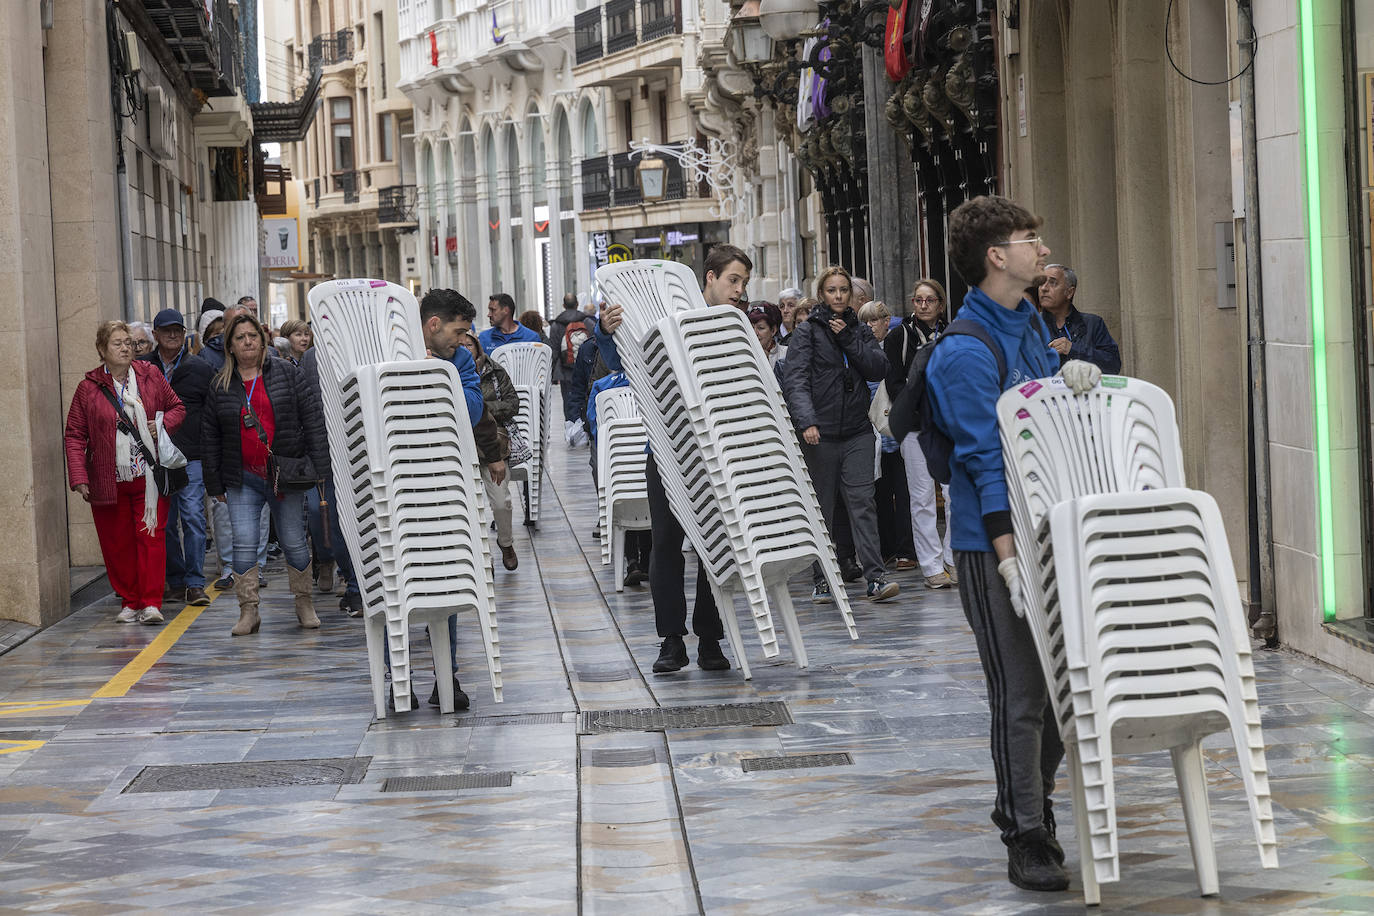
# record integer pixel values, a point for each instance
(1012, 576)
(574, 433)
(1080, 375)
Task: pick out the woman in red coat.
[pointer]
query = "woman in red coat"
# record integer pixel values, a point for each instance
(110, 472)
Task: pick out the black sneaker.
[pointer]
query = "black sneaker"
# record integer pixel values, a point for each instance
(391, 699)
(850, 570)
(1031, 864)
(709, 656)
(460, 699)
(672, 656)
(881, 590)
(1055, 848)
(635, 575)
(351, 604)
(225, 583)
(820, 594)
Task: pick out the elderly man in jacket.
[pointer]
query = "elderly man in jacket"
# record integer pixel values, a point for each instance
(1075, 334)
(189, 376)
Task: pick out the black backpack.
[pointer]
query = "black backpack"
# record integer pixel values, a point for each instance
(911, 410)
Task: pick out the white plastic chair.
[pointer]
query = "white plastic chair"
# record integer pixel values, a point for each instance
(724, 446)
(403, 465)
(623, 495)
(529, 366)
(1069, 460)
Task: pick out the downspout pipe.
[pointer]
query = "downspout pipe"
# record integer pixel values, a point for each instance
(1265, 625)
(117, 76)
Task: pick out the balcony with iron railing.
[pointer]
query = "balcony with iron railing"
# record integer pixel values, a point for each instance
(349, 183)
(327, 50)
(613, 181)
(397, 205)
(618, 25)
(204, 39)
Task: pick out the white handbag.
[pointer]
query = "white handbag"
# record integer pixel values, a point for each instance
(880, 408)
(168, 455)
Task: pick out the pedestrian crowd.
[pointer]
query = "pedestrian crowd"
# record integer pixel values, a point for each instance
(182, 442)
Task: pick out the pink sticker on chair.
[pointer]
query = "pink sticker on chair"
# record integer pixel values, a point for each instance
(1023, 414)
(1029, 389)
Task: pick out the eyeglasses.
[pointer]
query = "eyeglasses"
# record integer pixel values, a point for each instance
(1037, 241)
(925, 300)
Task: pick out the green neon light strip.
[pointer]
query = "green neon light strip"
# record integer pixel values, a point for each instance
(1307, 50)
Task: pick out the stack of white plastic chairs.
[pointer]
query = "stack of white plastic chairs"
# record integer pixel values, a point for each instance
(1132, 601)
(529, 366)
(724, 446)
(622, 494)
(411, 503)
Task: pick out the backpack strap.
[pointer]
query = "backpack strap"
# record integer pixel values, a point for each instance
(968, 328)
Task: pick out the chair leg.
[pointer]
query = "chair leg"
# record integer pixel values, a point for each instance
(1092, 893)
(443, 664)
(781, 600)
(617, 555)
(374, 625)
(725, 605)
(1192, 789)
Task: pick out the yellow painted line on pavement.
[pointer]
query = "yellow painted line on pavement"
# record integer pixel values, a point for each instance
(16, 746)
(123, 682)
(9, 709)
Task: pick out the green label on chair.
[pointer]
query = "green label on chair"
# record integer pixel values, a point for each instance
(1113, 381)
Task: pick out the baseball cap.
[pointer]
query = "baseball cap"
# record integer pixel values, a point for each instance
(168, 317)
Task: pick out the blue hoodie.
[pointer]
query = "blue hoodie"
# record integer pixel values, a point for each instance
(962, 383)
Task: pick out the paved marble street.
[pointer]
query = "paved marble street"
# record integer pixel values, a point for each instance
(629, 822)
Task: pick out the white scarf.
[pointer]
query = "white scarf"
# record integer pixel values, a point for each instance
(124, 450)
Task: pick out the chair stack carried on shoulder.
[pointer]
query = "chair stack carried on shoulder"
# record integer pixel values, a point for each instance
(1132, 601)
(622, 493)
(412, 506)
(529, 366)
(726, 451)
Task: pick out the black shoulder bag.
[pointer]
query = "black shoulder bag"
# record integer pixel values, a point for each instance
(284, 473)
(167, 480)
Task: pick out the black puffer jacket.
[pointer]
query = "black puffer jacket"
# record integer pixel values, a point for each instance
(297, 416)
(825, 375)
(190, 380)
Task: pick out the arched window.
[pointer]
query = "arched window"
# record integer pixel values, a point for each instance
(538, 167)
(591, 143)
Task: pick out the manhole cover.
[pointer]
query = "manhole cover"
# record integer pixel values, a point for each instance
(794, 762)
(447, 782)
(601, 675)
(653, 719)
(257, 774)
(620, 757)
(530, 718)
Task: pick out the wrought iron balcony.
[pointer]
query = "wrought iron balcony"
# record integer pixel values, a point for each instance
(587, 35)
(596, 183)
(204, 39)
(613, 181)
(658, 18)
(397, 205)
(625, 180)
(620, 25)
(347, 182)
(326, 50)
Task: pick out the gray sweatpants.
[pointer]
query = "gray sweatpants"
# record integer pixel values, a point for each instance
(1026, 749)
(845, 470)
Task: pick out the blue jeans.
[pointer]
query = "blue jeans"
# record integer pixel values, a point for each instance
(323, 555)
(224, 535)
(246, 504)
(186, 545)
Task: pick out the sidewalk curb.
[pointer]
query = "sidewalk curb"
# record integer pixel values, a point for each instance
(85, 595)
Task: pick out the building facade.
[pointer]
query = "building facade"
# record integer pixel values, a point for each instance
(354, 165)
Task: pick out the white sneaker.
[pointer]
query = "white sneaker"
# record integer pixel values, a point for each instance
(150, 616)
(127, 615)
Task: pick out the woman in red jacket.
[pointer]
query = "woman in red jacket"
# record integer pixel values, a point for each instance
(108, 468)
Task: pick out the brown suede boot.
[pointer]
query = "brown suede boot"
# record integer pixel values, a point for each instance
(246, 587)
(305, 603)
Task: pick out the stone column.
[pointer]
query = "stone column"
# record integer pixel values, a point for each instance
(555, 195)
(56, 200)
(507, 177)
(534, 296)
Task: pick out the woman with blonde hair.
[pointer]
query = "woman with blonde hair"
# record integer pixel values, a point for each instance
(111, 446)
(831, 357)
(264, 443)
(926, 322)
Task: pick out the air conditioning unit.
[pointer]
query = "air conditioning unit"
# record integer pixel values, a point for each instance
(162, 124)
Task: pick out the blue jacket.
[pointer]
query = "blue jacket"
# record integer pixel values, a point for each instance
(492, 338)
(472, 383)
(213, 352)
(1089, 340)
(605, 383)
(962, 383)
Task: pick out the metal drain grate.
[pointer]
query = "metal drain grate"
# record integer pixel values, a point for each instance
(794, 762)
(620, 757)
(529, 718)
(447, 782)
(657, 719)
(257, 774)
(602, 675)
